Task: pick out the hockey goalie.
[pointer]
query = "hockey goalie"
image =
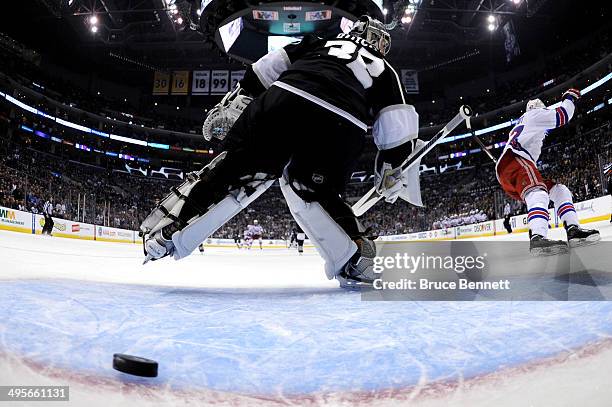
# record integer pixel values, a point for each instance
(301, 115)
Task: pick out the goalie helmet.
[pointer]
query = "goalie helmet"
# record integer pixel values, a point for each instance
(222, 117)
(535, 104)
(374, 32)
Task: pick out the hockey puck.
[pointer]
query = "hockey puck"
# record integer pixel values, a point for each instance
(134, 365)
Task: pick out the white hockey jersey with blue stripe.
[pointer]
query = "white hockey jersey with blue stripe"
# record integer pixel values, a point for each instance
(527, 136)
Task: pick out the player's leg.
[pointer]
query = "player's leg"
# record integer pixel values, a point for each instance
(564, 206)
(45, 225)
(507, 224)
(255, 157)
(312, 190)
(521, 179)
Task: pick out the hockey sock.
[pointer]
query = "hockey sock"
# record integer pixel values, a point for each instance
(537, 204)
(562, 198)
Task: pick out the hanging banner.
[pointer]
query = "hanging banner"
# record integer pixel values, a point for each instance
(201, 83)
(219, 82)
(236, 77)
(180, 83)
(410, 80)
(161, 83)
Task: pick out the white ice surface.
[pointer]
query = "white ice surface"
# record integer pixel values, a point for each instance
(567, 377)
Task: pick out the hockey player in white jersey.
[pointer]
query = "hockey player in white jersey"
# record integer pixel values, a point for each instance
(255, 232)
(520, 178)
(306, 125)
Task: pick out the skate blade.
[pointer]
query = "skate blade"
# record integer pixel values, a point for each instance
(148, 257)
(593, 239)
(353, 285)
(543, 252)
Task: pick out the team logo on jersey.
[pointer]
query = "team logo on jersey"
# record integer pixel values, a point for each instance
(318, 179)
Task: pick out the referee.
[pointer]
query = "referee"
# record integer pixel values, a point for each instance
(47, 212)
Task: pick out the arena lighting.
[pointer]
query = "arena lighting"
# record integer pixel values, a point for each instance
(94, 29)
(385, 11)
(160, 146)
(597, 84)
(93, 20)
(72, 125)
(31, 109)
(406, 20)
(491, 18)
(100, 133)
(128, 140)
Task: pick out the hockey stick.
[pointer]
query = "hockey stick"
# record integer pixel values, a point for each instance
(484, 148)
(372, 197)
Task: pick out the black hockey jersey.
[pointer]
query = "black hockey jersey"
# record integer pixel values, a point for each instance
(345, 75)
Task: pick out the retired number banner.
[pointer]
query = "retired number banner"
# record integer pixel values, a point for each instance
(201, 83)
(180, 83)
(219, 82)
(161, 83)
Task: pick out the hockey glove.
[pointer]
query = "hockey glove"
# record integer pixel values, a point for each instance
(390, 182)
(222, 117)
(571, 94)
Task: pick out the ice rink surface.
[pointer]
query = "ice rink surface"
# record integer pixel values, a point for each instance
(266, 327)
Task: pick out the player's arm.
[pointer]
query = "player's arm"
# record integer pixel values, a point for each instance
(260, 75)
(560, 116)
(395, 130)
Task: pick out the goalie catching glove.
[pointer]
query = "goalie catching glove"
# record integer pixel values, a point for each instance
(222, 117)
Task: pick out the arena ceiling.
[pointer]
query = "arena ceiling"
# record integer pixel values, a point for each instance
(146, 34)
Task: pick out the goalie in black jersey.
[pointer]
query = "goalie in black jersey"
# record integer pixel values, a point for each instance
(311, 106)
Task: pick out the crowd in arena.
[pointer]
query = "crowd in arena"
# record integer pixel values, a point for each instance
(99, 190)
(115, 198)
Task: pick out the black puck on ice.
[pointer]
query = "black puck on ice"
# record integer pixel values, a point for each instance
(134, 365)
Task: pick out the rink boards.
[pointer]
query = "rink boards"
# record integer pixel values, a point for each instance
(593, 210)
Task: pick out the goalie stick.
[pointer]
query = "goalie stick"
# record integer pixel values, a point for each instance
(372, 197)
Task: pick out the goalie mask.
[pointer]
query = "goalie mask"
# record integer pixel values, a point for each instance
(374, 32)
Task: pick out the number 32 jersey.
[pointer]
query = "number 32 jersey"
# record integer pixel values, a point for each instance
(347, 76)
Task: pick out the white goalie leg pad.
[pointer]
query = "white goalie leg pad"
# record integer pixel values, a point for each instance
(173, 203)
(330, 240)
(199, 228)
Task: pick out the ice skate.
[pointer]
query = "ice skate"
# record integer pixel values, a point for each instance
(577, 236)
(541, 246)
(359, 271)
